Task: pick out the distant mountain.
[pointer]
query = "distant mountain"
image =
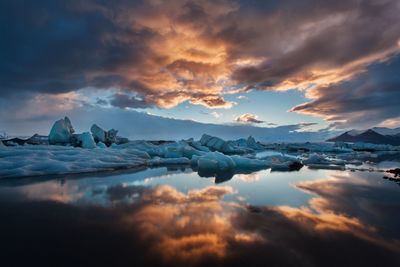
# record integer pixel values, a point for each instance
(386, 131)
(373, 136)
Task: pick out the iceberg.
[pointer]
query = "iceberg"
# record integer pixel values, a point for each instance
(217, 144)
(101, 145)
(111, 137)
(283, 163)
(249, 144)
(62, 132)
(214, 161)
(322, 160)
(85, 140)
(244, 163)
(98, 133)
(106, 137)
(373, 147)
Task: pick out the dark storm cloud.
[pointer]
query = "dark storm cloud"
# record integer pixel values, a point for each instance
(57, 46)
(169, 52)
(334, 34)
(368, 99)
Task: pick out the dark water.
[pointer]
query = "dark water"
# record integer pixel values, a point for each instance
(161, 217)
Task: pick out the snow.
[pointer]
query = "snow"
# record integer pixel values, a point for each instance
(86, 140)
(355, 132)
(62, 132)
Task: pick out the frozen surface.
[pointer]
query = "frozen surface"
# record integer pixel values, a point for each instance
(32, 160)
(211, 155)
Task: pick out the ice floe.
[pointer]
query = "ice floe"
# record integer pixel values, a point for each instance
(31, 160)
(100, 150)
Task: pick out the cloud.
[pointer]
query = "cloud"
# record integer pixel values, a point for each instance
(216, 114)
(101, 102)
(366, 100)
(147, 48)
(126, 101)
(321, 44)
(242, 97)
(167, 53)
(248, 118)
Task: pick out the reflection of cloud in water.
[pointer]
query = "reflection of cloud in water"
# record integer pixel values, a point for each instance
(189, 227)
(54, 191)
(342, 226)
(252, 177)
(364, 196)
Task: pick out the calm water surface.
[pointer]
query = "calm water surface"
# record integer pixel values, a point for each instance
(174, 217)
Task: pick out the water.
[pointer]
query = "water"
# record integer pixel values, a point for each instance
(173, 217)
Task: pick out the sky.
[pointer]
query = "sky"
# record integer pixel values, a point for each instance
(319, 65)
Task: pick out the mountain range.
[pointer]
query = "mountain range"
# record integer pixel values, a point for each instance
(376, 135)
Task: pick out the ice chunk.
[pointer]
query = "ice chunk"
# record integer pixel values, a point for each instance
(215, 161)
(248, 164)
(121, 140)
(107, 137)
(61, 132)
(111, 136)
(217, 144)
(30, 160)
(86, 140)
(198, 146)
(322, 160)
(373, 147)
(101, 145)
(157, 161)
(148, 147)
(250, 143)
(99, 135)
(283, 162)
(179, 149)
(1, 144)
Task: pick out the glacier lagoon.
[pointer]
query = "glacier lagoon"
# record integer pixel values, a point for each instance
(171, 216)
